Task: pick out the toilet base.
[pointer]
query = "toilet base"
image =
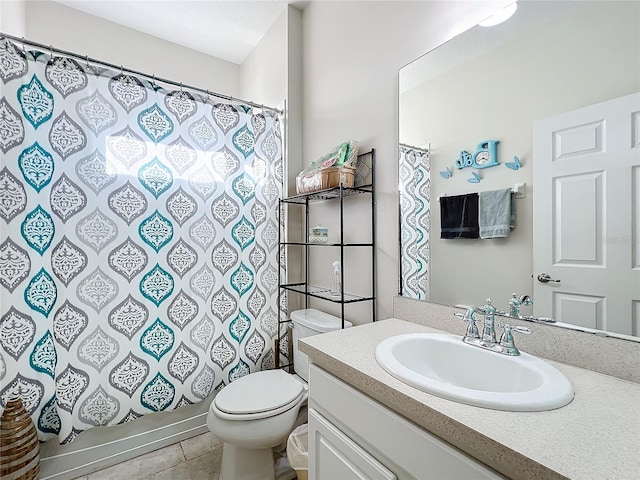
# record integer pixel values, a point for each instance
(246, 464)
(280, 468)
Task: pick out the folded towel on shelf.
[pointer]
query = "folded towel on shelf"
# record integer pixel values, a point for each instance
(459, 216)
(496, 215)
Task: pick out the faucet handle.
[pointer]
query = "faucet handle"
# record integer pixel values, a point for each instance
(515, 328)
(526, 300)
(472, 328)
(506, 340)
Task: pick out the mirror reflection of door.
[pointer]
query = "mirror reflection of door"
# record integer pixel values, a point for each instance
(586, 169)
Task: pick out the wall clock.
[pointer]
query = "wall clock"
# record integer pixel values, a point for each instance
(485, 156)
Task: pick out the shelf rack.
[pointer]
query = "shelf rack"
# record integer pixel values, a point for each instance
(323, 293)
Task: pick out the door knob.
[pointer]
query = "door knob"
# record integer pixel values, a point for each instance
(545, 278)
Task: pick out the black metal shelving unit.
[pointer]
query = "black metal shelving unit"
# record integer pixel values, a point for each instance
(338, 194)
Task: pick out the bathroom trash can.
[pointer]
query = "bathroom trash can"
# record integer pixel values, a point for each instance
(298, 451)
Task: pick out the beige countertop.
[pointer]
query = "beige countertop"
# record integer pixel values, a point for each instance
(595, 437)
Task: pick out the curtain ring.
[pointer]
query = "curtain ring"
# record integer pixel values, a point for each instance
(121, 70)
(86, 59)
(51, 51)
(180, 87)
(24, 48)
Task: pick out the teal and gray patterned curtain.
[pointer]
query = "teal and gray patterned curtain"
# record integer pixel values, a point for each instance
(138, 249)
(415, 211)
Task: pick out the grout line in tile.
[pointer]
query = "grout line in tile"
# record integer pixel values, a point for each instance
(184, 454)
(153, 475)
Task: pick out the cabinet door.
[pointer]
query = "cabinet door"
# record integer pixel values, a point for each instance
(336, 456)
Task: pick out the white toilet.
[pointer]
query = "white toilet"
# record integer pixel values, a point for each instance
(258, 411)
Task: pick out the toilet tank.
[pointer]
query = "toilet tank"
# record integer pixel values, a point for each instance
(306, 323)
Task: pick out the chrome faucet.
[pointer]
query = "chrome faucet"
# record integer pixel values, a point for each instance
(488, 330)
(516, 302)
(488, 341)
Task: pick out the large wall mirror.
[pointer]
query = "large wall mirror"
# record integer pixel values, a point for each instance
(553, 93)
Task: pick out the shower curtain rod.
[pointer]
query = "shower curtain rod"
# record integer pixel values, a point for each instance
(154, 79)
(422, 149)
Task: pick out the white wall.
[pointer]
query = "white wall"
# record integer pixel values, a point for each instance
(12, 17)
(352, 53)
(263, 74)
(273, 72)
(54, 24)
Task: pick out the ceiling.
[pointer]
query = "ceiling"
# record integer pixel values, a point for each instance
(227, 29)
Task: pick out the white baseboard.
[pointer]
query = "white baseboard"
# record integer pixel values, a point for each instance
(101, 447)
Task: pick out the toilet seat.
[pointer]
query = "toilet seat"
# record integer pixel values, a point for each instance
(258, 395)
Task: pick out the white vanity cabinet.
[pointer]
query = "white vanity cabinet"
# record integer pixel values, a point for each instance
(352, 436)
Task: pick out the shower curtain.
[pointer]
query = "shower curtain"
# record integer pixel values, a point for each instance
(138, 249)
(415, 212)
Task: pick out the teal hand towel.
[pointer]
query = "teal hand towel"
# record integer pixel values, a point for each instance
(495, 214)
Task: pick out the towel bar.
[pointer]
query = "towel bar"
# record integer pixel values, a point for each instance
(519, 189)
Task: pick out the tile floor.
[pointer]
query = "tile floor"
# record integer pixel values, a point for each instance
(196, 458)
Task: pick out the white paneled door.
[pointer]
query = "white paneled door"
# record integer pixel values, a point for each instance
(586, 216)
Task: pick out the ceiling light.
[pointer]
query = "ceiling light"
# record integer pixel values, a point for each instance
(500, 16)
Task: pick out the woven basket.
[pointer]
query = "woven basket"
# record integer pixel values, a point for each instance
(326, 178)
(19, 446)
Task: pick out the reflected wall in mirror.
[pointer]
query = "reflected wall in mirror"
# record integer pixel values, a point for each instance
(499, 83)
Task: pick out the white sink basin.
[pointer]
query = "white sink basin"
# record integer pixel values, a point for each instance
(443, 365)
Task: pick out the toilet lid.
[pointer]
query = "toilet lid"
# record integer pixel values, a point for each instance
(259, 392)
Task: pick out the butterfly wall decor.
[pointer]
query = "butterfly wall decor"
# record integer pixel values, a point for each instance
(446, 174)
(515, 165)
(475, 179)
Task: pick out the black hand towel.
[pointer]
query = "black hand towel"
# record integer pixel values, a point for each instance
(459, 216)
